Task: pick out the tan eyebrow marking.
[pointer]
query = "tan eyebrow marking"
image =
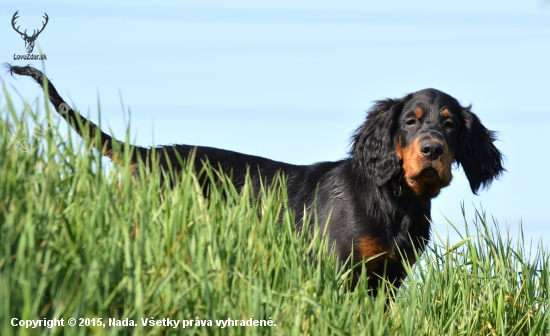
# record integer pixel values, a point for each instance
(418, 112)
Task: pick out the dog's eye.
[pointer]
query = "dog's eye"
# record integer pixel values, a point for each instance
(411, 122)
(448, 124)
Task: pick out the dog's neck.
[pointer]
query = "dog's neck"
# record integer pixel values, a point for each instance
(402, 215)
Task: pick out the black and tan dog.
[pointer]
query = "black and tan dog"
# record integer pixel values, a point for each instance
(377, 201)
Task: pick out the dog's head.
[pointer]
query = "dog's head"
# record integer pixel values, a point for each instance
(418, 137)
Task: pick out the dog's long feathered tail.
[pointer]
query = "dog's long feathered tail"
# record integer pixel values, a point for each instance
(81, 125)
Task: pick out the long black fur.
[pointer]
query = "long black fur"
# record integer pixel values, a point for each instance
(371, 204)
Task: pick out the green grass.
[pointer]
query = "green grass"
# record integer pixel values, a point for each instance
(75, 245)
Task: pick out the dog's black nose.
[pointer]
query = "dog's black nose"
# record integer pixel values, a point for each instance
(431, 150)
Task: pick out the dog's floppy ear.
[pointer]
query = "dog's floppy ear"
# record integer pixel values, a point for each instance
(480, 159)
(373, 144)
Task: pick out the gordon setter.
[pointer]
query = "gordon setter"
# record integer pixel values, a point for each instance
(376, 203)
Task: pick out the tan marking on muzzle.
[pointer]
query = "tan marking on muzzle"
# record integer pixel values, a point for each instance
(414, 164)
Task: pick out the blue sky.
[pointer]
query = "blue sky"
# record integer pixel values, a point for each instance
(291, 80)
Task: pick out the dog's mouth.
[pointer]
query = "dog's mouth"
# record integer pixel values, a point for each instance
(427, 175)
(428, 182)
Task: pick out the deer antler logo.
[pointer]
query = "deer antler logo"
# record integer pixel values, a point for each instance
(29, 40)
